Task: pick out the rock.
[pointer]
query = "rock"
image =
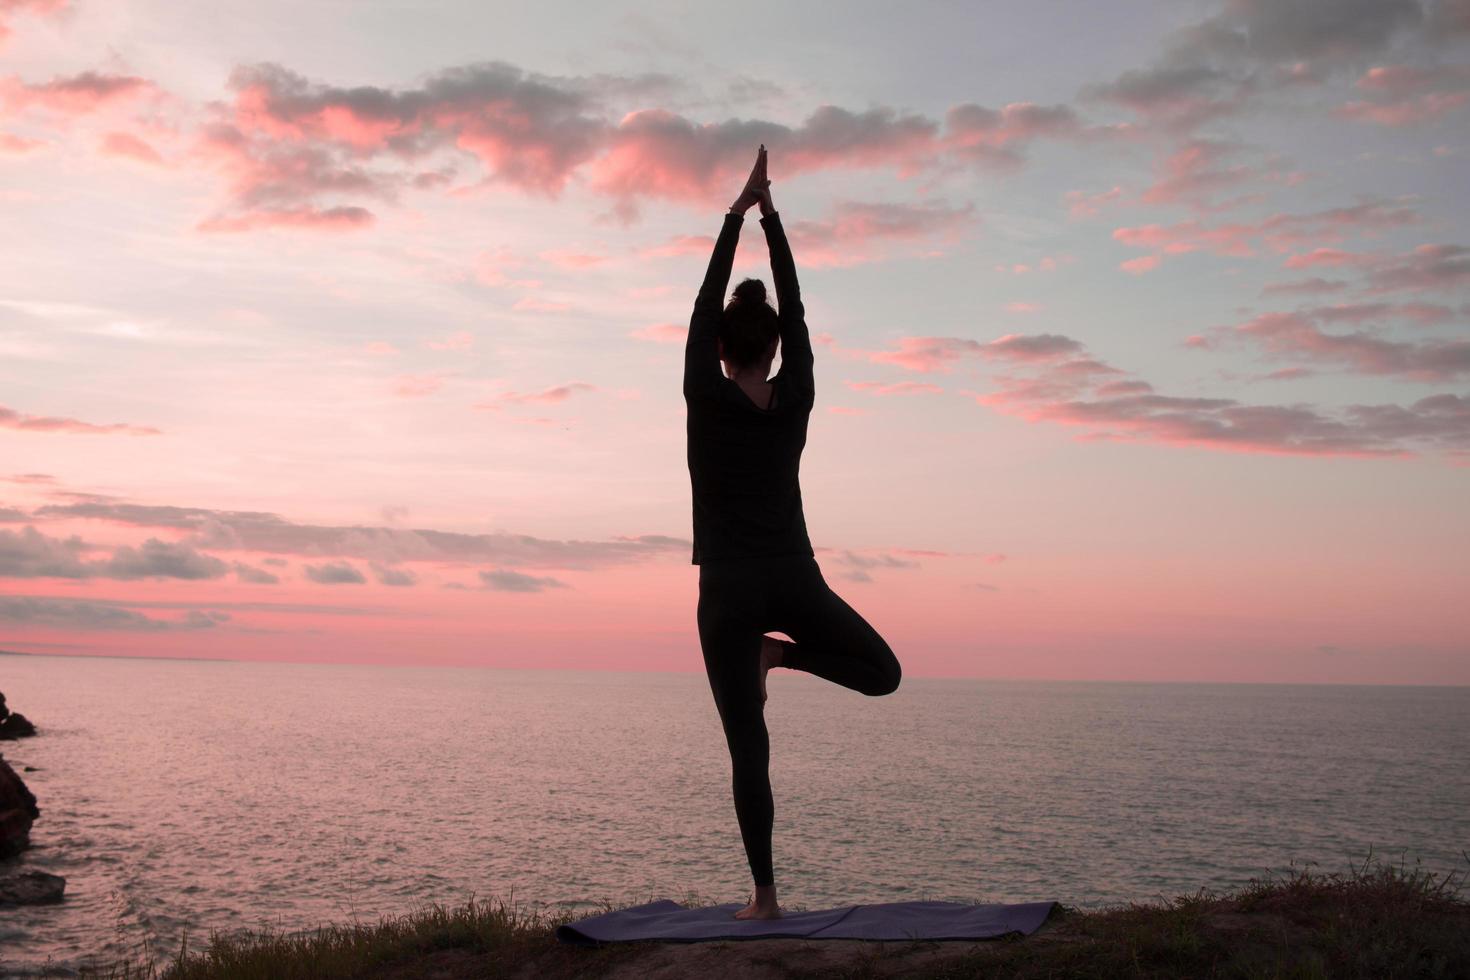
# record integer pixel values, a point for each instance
(17, 812)
(16, 725)
(31, 888)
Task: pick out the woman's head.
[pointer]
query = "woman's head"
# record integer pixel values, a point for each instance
(749, 327)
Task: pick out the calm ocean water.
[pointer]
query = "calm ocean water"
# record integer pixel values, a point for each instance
(186, 795)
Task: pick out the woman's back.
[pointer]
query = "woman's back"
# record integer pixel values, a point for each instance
(744, 460)
(744, 470)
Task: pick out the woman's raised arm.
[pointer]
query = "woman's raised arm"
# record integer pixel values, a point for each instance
(701, 350)
(796, 343)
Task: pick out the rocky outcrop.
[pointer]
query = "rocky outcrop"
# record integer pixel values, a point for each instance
(31, 888)
(17, 812)
(12, 724)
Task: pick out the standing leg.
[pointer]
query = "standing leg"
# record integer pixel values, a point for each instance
(832, 640)
(730, 636)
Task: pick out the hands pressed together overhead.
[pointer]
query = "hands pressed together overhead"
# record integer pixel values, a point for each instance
(757, 189)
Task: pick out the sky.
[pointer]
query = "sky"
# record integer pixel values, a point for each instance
(344, 332)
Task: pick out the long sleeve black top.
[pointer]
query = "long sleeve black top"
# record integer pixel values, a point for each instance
(744, 461)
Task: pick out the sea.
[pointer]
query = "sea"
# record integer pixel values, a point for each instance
(181, 798)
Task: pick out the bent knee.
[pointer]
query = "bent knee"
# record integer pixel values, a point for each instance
(886, 685)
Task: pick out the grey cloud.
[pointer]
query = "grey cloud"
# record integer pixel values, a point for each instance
(10, 418)
(31, 554)
(393, 576)
(858, 566)
(1276, 31)
(1449, 20)
(265, 532)
(1297, 335)
(13, 515)
(96, 615)
(507, 580)
(1219, 65)
(334, 573)
(1053, 393)
(161, 559)
(1311, 286)
(1427, 267)
(259, 576)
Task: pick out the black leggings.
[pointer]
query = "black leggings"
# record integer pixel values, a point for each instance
(739, 601)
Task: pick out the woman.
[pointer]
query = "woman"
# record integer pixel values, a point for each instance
(756, 566)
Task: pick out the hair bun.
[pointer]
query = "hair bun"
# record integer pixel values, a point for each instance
(751, 291)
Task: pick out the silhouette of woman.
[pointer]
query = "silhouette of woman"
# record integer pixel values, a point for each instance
(757, 571)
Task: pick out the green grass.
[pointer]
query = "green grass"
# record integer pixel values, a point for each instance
(1374, 921)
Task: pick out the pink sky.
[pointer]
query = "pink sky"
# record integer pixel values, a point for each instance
(1141, 335)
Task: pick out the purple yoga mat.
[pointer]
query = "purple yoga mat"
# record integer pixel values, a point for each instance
(671, 922)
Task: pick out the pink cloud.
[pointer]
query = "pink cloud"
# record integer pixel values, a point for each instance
(73, 95)
(493, 268)
(37, 8)
(1325, 256)
(547, 396)
(10, 143)
(1140, 265)
(532, 304)
(1295, 335)
(528, 132)
(1405, 112)
(1081, 204)
(1194, 172)
(1020, 307)
(119, 144)
(841, 239)
(680, 245)
(1189, 236)
(662, 333)
(417, 385)
(893, 388)
(927, 354)
(380, 347)
(11, 419)
(566, 258)
(330, 219)
(286, 141)
(459, 340)
(1427, 267)
(1281, 232)
(846, 410)
(1406, 94)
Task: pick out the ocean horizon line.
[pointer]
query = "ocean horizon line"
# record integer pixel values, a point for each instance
(699, 670)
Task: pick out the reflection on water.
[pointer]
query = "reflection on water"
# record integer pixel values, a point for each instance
(194, 795)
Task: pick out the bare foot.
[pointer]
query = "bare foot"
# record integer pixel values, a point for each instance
(763, 906)
(772, 651)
